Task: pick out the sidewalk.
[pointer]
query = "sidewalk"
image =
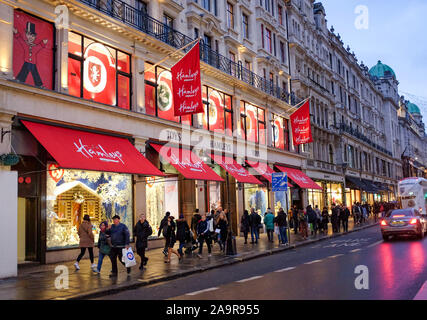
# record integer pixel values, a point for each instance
(39, 282)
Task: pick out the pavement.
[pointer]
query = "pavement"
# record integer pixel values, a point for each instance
(62, 282)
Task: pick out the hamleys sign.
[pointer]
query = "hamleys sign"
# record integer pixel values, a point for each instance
(98, 152)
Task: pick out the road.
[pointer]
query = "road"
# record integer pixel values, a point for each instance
(323, 270)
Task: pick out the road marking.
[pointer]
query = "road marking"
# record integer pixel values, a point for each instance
(355, 250)
(249, 279)
(314, 261)
(375, 243)
(201, 291)
(337, 255)
(286, 269)
(422, 293)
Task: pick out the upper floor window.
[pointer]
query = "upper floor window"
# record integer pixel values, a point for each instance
(206, 4)
(168, 21)
(252, 123)
(98, 72)
(282, 52)
(268, 44)
(280, 132)
(280, 14)
(230, 15)
(245, 26)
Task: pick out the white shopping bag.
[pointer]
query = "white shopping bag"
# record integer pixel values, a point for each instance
(129, 257)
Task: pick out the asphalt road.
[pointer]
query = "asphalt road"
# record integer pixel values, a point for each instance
(324, 270)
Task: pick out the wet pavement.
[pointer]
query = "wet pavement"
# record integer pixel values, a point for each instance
(40, 282)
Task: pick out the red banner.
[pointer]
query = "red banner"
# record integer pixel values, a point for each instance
(186, 83)
(300, 123)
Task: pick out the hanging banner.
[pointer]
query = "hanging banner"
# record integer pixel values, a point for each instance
(186, 83)
(300, 122)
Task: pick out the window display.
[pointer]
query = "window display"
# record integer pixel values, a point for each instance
(280, 132)
(106, 72)
(315, 197)
(161, 196)
(256, 196)
(251, 125)
(73, 193)
(334, 193)
(214, 195)
(280, 201)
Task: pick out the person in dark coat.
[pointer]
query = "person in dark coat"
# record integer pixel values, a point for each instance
(254, 222)
(171, 239)
(182, 233)
(281, 222)
(345, 214)
(222, 225)
(142, 231)
(312, 219)
(325, 220)
(244, 225)
(120, 238)
(203, 235)
(162, 230)
(334, 218)
(295, 218)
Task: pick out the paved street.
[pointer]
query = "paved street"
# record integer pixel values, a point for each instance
(324, 270)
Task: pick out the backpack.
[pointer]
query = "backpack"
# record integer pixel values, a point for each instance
(150, 231)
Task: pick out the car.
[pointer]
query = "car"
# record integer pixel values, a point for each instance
(400, 222)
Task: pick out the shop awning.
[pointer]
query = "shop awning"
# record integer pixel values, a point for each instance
(187, 163)
(300, 178)
(355, 183)
(382, 187)
(370, 187)
(77, 149)
(263, 169)
(236, 170)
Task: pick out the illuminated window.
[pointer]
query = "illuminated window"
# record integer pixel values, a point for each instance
(252, 123)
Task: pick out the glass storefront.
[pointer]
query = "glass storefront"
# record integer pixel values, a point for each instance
(73, 193)
(161, 196)
(256, 196)
(316, 197)
(334, 194)
(214, 194)
(280, 201)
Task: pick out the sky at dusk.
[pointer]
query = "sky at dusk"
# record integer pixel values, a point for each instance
(396, 35)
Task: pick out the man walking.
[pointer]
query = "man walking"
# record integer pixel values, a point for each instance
(162, 230)
(345, 214)
(334, 218)
(282, 224)
(119, 234)
(254, 221)
(142, 231)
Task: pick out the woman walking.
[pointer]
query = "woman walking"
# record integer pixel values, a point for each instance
(203, 235)
(325, 220)
(104, 245)
(244, 225)
(222, 225)
(182, 233)
(171, 239)
(303, 222)
(86, 242)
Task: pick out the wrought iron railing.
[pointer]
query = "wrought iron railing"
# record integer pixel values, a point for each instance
(140, 20)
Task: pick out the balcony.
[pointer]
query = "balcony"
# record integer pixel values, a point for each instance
(143, 22)
(355, 133)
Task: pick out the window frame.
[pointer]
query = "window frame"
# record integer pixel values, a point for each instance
(243, 117)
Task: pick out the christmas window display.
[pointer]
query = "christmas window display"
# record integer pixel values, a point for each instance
(214, 195)
(256, 197)
(73, 193)
(161, 196)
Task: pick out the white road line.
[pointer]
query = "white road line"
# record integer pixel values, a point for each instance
(337, 255)
(201, 291)
(314, 261)
(286, 269)
(375, 243)
(355, 250)
(249, 279)
(422, 293)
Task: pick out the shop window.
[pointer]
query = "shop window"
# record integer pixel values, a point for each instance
(98, 72)
(33, 57)
(252, 123)
(214, 195)
(256, 196)
(280, 132)
(71, 194)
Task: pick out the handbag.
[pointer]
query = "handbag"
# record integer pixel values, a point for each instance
(129, 257)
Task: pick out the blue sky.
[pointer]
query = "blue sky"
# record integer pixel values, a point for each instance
(396, 35)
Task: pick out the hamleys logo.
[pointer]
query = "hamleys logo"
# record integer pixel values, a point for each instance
(97, 151)
(196, 166)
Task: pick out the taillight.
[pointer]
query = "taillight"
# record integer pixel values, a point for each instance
(413, 221)
(383, 223)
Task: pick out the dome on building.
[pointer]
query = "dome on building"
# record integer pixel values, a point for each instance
(413, 108)
(381, 70)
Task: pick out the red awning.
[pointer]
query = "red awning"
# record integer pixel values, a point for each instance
(76, 149)
(263, 169)
(300, 178)
(236, 170)
(186, 162)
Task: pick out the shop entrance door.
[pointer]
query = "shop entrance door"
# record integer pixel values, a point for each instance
(27, 230)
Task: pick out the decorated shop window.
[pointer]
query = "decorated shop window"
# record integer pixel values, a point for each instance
(280, 132)
(98, 72)
(73, 193)
(33, 58)
(252, 123)
(256, 196)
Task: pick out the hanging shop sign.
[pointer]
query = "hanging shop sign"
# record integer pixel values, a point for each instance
(300, 122)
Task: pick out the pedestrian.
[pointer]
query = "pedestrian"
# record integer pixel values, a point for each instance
(356, 213)
(344, 218)
(318, 218)
(222, 226)
(171, 239)
(334, 218)
(282, 224)
(325, 220)
(86, 242)
(203, 235)
(162, 231)
(302, 221)
(364, 213)
(142, 231)
(104, 245)
(295, 217)
(254, 222)
(245, 225)
(182, 233)
(311, 215)
(120, 239)
(269, 225)
(194, 221)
